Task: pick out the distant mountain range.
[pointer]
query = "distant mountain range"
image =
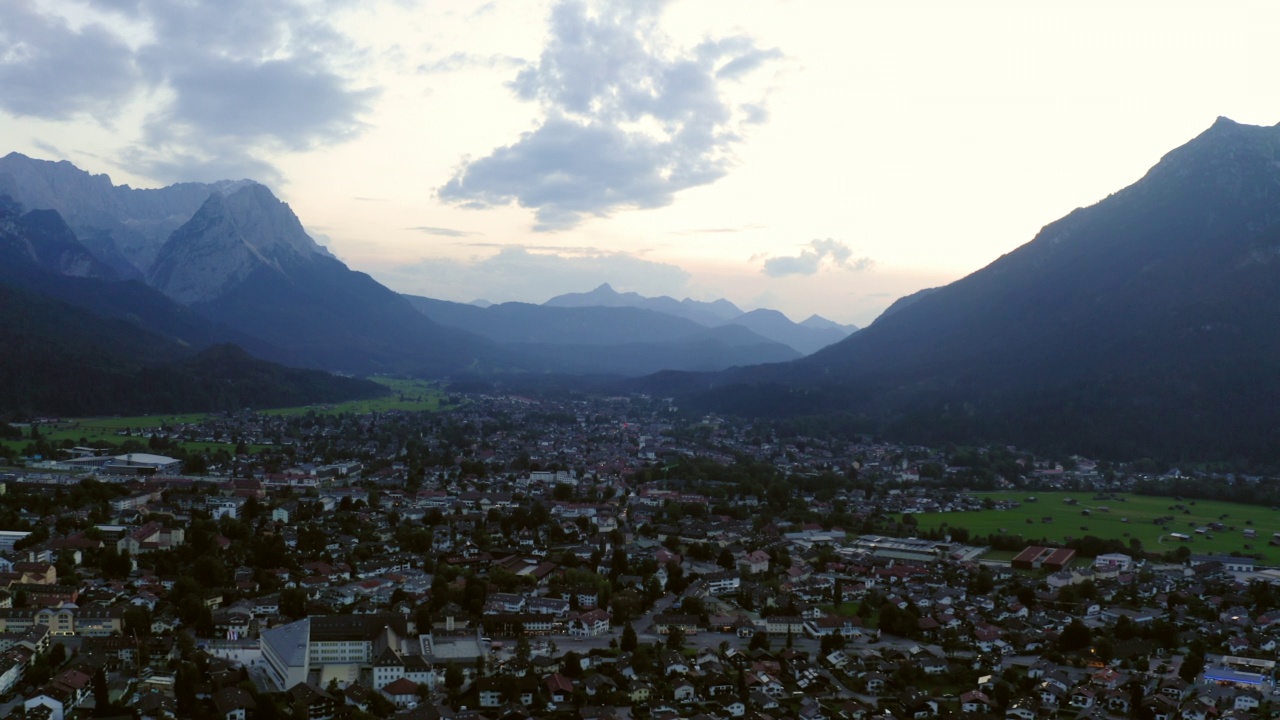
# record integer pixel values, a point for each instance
(606, 340)
(1145, 325)
(202, 265)
(604, 332)
(807, 337)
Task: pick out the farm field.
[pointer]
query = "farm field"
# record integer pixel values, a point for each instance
(409, 395)
(1123, 516)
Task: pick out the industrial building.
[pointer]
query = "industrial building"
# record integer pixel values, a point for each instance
(1036, 557)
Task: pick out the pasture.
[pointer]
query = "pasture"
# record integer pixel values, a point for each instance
(1060, 516)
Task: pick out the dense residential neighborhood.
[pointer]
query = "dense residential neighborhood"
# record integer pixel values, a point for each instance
(597, 558)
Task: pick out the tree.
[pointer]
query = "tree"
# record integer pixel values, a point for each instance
(759, 641)
(453, 679)
(725, 560)
(293, 603)
(1192, 665)
(57, 656)
(1075, 636)
(101, 694)
(628, 639)
(675, 637)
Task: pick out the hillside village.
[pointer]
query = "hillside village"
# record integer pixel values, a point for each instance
(595, 558)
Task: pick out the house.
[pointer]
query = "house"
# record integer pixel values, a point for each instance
(662, 624)
(683, 691)
(559, 688)
(317, 704)
(755, 562)
(640, 690)
(233, 703)
(723, 583)
(403, 693)
(1022, 709)
(975, 701)
(589, 624)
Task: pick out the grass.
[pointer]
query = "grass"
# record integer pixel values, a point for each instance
(407, 395)
(1124, 517)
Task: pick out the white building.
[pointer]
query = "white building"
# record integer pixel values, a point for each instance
(590, 624)
(339, 646)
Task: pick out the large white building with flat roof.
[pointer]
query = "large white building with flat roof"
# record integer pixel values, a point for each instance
(128, 464)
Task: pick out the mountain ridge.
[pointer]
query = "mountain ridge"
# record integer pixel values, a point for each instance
(1144, 324)
(769, 324)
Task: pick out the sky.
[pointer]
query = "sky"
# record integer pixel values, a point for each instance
(813, 156)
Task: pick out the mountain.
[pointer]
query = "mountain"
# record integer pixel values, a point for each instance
(234, 234)
(243, 260)
(617, 340)
(58, 359)
(1145, 325)
(122, 226)
(41, 239)
(817, 322)
(769, 324)
(704, 313)
(779, 328)
(39, 253)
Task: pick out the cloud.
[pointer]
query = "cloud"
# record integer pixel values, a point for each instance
(283, 102)
(52, 71)
(215, 160)
(629, 120)
(446, 232)
(517, 273)
(224, 83)
(457, 61)
(718, 230)
(831, 253)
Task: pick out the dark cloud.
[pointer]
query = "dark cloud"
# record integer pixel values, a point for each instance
(50, 70)
(233, 79)
(819, 252)
(285, 102)
(601, 76)
(446, 232)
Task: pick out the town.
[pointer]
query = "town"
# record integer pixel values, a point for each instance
(602, 557)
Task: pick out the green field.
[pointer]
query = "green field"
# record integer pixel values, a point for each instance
(410, 395)
(407, 395)
(1122, 517)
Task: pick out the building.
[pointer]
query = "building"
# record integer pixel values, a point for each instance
(1117, 562)
(723, 583)
(9, 538)
(130, 464)
(330, 647)
(1035, 557)
(590, 624)
(1229, 563)
(64, 621)
(149, 538)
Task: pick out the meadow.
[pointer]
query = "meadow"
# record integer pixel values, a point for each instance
(407, 395)
(1123, 516)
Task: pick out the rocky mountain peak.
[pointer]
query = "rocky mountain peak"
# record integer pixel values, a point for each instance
(240, 228)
